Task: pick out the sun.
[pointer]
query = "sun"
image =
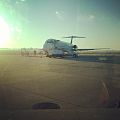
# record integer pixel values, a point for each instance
(4, 33)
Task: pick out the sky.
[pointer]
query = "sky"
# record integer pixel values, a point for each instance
(29, 23)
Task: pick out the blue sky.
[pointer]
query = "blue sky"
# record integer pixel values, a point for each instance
(38, 20)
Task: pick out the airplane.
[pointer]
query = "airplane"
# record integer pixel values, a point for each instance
(58, 48)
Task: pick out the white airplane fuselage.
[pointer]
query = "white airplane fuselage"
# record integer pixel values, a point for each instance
(55, 47)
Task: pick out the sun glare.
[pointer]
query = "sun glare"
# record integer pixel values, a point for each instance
(4, 33)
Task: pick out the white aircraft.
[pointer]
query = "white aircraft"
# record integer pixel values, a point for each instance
(58, 48)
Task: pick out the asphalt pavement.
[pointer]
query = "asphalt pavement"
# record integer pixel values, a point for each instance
(81, 90)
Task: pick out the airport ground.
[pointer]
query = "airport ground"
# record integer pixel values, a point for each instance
(82, 89)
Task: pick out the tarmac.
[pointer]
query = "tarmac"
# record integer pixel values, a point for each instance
(81, 89)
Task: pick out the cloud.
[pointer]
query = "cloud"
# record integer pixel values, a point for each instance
(91, 17)
(87, 18)
(20, 1)
(60, 15)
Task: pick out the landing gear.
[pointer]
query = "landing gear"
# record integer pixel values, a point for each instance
(75, 55)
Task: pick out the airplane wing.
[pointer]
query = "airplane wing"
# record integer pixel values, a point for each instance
(93, 49)
(85, 49)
